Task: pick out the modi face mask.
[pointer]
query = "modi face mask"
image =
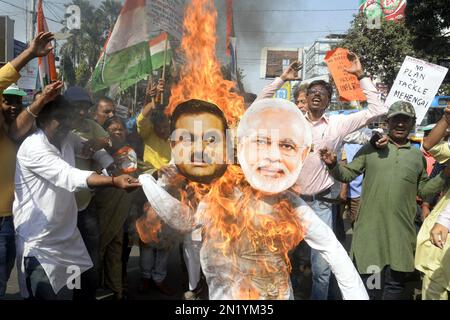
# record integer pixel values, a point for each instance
(273, 140)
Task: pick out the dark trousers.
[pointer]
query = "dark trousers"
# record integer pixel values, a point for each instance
(90, 232)
(7, 251)
(392, 284)
(38, 284)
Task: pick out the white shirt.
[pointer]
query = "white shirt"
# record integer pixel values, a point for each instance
(220, 270)
(45, 211)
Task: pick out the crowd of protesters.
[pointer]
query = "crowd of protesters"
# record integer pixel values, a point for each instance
(71, 206)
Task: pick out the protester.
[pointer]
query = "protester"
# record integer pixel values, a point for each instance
(314, 182)
(11, 131)
(153, 127)
(95, 139)
(384, 233)
(112, 207)
(104, 109)
(432, 251)
(48, 243)
(12, 102)
(300, 93)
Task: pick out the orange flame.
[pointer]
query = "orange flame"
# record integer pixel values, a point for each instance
(256, 243)
(201, 77)
(148, 226)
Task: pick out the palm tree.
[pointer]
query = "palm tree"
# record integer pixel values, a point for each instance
(84, 46)
(109, 10)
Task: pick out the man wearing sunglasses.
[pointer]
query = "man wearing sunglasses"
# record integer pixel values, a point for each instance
(315, 182)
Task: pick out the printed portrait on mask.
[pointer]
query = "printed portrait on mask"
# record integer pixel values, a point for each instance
(198, 140)
(273, 140)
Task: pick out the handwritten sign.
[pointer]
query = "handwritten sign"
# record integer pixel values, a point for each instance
(417, 82)
(346, 83)
(167, 15)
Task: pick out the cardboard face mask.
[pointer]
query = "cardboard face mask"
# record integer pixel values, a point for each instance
(274, 139)
(199, 141)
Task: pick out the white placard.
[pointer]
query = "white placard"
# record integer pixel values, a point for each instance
(167, 15)
(417, 82)
(28, 75)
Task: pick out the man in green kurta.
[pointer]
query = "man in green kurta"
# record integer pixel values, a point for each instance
(384, 235)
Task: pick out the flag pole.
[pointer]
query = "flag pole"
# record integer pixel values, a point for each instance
(164, 65)
(134, 105)
(149, 87)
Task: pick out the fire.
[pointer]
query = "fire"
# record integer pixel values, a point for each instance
(254, 241)
(201, 77)
(148, 226)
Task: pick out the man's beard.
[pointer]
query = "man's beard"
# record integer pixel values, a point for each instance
(267, 184)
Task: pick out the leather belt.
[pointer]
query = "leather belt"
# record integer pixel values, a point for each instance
(319, 196)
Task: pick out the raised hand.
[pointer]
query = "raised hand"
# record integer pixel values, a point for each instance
(291, 73)
(41, 46)
(160, 86)
(356, 67)
(52, 90)
(328, 157)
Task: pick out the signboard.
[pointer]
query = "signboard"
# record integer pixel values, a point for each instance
(284, 92)
(167, 15)
(346, 83)
(389, 9)
(29, 75)
(417, 83)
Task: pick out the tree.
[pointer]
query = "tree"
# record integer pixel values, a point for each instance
(429, 21)
(81, 51)
(424, 34)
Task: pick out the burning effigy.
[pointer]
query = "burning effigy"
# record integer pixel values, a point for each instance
(244, 215)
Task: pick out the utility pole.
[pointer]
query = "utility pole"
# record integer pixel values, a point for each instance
(31, 20)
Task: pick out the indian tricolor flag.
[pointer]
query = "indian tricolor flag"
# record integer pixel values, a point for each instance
(125, 58)
(47, 69)
(158, 47)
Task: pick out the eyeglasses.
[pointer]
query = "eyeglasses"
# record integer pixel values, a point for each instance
(317, 91)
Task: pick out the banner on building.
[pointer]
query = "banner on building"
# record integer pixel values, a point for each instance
(389, 9)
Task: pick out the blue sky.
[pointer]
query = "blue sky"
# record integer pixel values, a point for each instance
(258, 23)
